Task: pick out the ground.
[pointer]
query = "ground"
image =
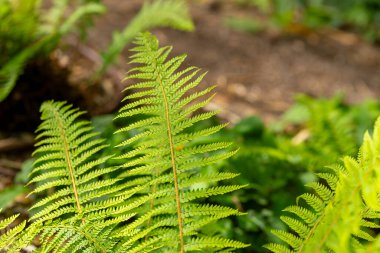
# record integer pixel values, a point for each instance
(261, 73)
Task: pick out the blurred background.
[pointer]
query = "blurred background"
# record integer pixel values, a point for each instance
(299, 80)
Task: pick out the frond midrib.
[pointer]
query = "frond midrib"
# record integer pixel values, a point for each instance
(174, 165)
(68, 159)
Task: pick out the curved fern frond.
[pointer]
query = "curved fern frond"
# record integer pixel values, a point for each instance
(166, 154)
(78, 216)
(339, 216)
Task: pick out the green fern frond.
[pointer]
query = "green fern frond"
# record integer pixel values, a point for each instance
(339, 216)
(66, 160)
(278, 248)
(79, 215)
(167, 155)
(197, 244)
(7, 238)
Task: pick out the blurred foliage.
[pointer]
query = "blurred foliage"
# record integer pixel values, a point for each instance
(10, 194)
(323, 130)
(278, 161)
(362, 16)
(30, 30)
(249, 25)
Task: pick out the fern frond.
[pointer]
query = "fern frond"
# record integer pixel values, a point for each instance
(277, 248)
(7, 238)
(340, 216)
(66, 160)
(12, 239)
(78, 216)
(77, 236)
(169, 155)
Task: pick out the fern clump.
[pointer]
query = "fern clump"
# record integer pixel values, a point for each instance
(148, 200)
(339, 216)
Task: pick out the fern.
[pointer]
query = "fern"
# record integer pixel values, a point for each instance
(149, 202)
(339, 216)
(166, 157)
(79, 214)
(152, 199)
(7, 238)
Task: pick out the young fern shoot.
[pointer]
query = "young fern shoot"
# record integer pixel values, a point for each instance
(166, 160)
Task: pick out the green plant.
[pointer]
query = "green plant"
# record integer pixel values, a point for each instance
(150, 201)
(339, 216)
(285, 154)
(27, 31)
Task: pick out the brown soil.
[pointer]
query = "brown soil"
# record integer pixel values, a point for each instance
(260, 73)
